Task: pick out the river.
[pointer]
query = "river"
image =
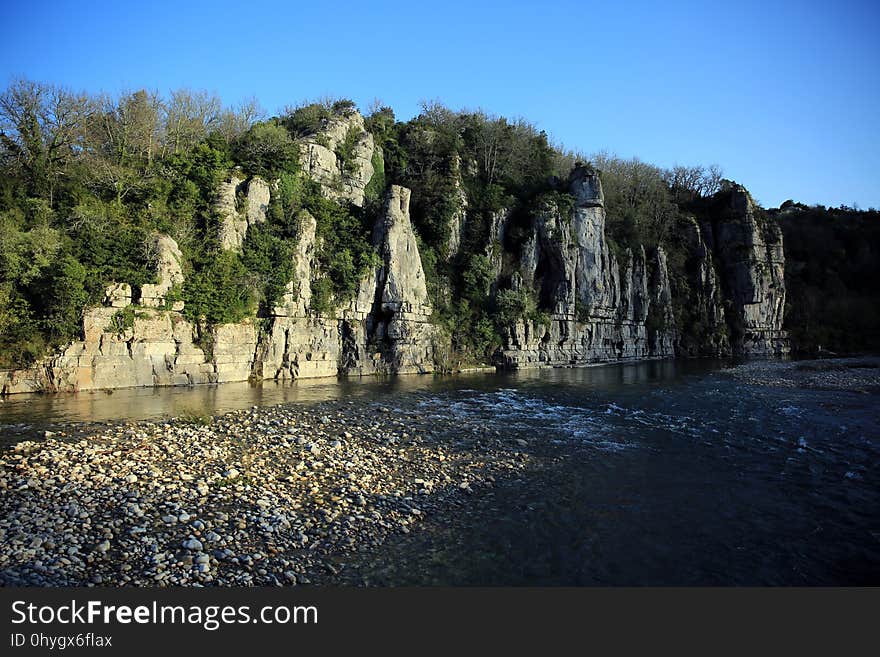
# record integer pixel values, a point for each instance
(663, 472)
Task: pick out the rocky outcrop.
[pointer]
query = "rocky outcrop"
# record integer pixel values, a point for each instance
(385, 329)
(159, 348)
(234, 348)
(148, 344)
(458, 220)
(703, 328)
(660, 318)
(752, 263)
(736, 294)
(240, 205)
(599, 306)
(156, 350)
(590, 300)
(400, 318)
(298, 292)
(169, 272)
(299, 343)
(340, 157)
(118, 295)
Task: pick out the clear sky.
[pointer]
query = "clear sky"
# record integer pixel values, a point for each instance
(784, 95)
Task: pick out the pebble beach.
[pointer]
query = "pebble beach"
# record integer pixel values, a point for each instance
(278, 496)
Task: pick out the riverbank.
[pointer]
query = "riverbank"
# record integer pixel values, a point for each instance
(608, 475)
(271, 496)
(853, 374)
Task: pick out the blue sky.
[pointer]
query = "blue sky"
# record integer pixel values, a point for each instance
(785, 96)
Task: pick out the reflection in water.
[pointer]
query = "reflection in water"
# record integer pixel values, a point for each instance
(154, 403)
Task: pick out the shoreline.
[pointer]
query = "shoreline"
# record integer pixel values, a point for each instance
(855, 374)
(279, 495)
(318, 380)
(298, 493)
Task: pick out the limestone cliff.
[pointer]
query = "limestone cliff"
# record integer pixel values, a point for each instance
(736, 268)
(749, 249)
(169, 272)
(703, 328)
(323, 157)
(240, 205)
(385, 328)
(127, 345)
(400, 318)
(599, 305)
(591, 300)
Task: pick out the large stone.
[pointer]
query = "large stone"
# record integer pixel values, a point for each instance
(234, 223)
(169, 271)
(402, 322)
(258, 196)
(404, 288)
(298, 292)
(234, 351)
(117, 295)
(458, 221)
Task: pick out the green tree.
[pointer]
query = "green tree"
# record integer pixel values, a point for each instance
(266, 150)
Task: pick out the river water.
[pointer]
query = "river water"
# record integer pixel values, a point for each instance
(664, 472)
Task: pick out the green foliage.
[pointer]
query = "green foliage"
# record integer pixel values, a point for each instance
(512, 306)
(832, 265)
(121, 321)
(345, 253)
(343, 106)
(195, 417)
(376, 187)
(220, 291)
(21, 340)
(381, 124)
(62, 293)
(309, 118)
(346, 155)
(266, 150)
(477, 277)
(173, 295)
(24, 255)
(639, 204)
(286, 203)
(322, 301)
(198, 171)
(269, 256)
(560, 202)
(113, 250)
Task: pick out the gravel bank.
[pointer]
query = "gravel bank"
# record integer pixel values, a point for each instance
(855, 374)
(279, 495)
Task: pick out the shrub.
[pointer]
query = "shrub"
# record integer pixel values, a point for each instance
(266, 150)
(220, 292)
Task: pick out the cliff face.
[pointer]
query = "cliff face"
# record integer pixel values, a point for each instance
(235, 221)
(750, 253)
(600, 306)
(385, 329)
(320, 159)
(736, 271)
(598, 302)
